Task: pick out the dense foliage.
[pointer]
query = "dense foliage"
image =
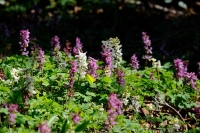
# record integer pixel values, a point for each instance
(64, 90)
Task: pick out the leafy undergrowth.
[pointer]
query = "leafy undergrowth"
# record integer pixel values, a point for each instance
(66, 91)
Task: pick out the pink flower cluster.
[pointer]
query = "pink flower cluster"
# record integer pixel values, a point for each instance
(197, 111)
(92, 67)
(107, 58)
(134, 62)
(2, 75)
(191, 79)
(198, 68)
(55, 43)
(120, 77)
(24, 41)
(181, 70)
(12, 109)
(39, 53)
(72, 71)
(44, 128)
(75, 118)
(114, 109)
(78, 46)
(181, 73)
(67, 49)
(147, 46)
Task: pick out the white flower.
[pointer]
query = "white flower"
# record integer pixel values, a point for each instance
(113, 44)
(135, 104)
(82, 63)
(125, 101)
(156, 64)
(14, 73)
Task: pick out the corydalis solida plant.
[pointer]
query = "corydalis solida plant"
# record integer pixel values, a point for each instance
(78, 47)
(147, 47)
(114, 109)
(24, 41)
(134, 62)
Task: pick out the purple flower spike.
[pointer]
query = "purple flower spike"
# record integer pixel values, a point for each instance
(55, 41)
(72, 71)
(78, 46)
(12, 117)
(75, 118)
(147, 46)
(114, 109)
(107, 58)
(120, 77)
(92, 67)
(191, 79)
(67, 49)
(198, 68)
(134, 62)
(180, 69)
(43, 128)
(197, 111)
(13, 108)
(24, 41)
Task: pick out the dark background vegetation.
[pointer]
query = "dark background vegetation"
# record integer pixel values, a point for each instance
(173, 25)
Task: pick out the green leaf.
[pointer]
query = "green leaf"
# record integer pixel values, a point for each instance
(21, 119)
(4, 89)
(45, 83)
(90, 93)
(107, 80)
(90, 79)
(50, 122)
(82, 126)
(64, 127)
(4, 110)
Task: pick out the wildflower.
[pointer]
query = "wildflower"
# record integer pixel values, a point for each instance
(44, 128)
(191, 79)
(135, 105)
(67, 49)
(156, 64)
(72, 71)
(113, 45)
(12, 117)
(114, 109)
(92, 66)
(198, 68)
(15, 74)
(134, 62)
(41, 57)
(159, 98)
(197, 112)
(107, 58)
(38, 54)
(180, 69)
(55, 42)
(82, 64)
(175, 127)
(2, 75)
(78, 47)
(120, 77)
(24, 41)
(12, 109)
(75, 118)
(147, 46)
